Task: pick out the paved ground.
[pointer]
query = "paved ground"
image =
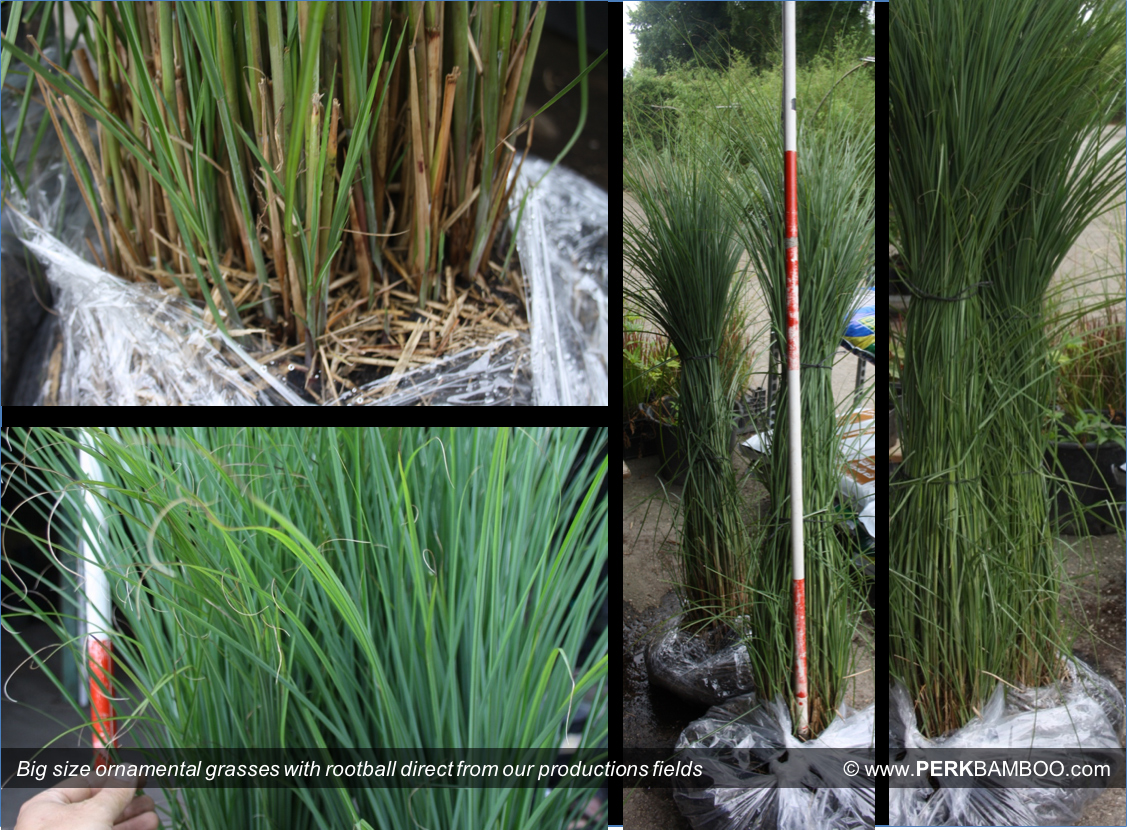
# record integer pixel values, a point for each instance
(1095, 263)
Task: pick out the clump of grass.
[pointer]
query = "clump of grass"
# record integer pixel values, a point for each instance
(308, 161)
(684, 260)
(348, 588)
(835, 198)
(989, 196)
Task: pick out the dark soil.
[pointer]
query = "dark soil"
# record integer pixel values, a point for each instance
(651, 717)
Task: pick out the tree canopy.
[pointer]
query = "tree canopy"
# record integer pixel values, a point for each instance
(707, 34)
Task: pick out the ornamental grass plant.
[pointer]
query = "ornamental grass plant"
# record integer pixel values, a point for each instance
(835, 199)
(1000, 156)
(339, 588)
(684, 278)
(321, 171)
(734, 165)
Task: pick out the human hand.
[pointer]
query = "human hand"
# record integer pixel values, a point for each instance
(76, 805)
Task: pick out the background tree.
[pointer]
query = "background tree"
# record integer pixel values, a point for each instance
(705, 34)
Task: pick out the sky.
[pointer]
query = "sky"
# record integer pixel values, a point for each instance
(628, 37)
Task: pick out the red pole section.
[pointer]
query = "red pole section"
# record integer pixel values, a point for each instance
(99, 657)
(97, 613)
(794, 405)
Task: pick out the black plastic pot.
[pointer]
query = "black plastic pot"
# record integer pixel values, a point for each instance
(1086, 470)
(1089, 499)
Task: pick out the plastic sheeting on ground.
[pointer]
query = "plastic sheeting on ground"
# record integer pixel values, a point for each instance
(683, 664)
(1084, 712)
(786, 783)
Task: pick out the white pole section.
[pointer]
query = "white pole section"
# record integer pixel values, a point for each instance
(97, 614)
(790, 183)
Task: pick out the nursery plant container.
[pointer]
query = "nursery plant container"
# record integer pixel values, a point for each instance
(1087, 472)
(639, 436)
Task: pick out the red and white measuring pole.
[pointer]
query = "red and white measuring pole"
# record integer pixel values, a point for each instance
(97, 613)
(790, 184)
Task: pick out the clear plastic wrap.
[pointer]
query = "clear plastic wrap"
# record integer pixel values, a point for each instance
(683, 664)
(799, 790)
(127, 344)
(564, 243)
(1084, 712)
(564, 248)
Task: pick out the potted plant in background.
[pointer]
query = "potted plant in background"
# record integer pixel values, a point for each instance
(1089, 425)
(650, 369)
(736, 357)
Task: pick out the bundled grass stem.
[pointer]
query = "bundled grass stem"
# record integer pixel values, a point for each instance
(990, 195)
(349, 588)
(835, 198)
(296, 164)
(701, 215)
(685, 260)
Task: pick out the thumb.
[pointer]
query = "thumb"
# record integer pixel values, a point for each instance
(110, 802)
